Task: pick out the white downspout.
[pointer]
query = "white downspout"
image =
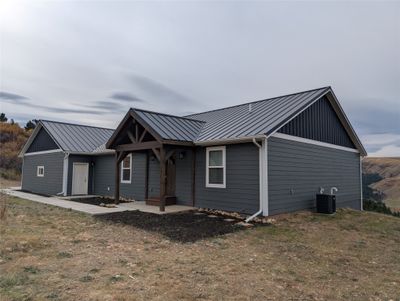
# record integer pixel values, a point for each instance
(65, 176)
(361, 185)
(260, 163)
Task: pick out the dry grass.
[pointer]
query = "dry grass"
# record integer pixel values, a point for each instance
(4, 183)
(47, 253)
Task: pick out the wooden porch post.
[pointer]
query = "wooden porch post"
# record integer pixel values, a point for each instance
(163, 178)
(117, 177)
(193, 176)
(146, 179)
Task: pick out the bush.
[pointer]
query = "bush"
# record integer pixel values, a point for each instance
(377, 206)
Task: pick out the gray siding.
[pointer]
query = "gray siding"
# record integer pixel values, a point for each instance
(184, 178)
(154, 177)
(42, 142)
(80, 159)
(296, 171)
(242, 180)
(319, 122)
(51, 183)
(104, 175)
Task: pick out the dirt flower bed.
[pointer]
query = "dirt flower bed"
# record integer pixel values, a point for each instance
(99, 201)
(184, 227)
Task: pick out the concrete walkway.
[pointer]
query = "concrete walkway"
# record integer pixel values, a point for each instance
(93, 209)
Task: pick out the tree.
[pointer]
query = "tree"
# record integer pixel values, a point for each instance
(31, 124)
(3, 117)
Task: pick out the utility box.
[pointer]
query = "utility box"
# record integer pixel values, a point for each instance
(326, 203)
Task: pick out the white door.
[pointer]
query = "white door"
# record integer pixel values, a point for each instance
(80, 178)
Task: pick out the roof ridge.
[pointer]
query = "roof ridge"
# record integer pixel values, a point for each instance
(256, 101)
(76, 124)
(170, 115)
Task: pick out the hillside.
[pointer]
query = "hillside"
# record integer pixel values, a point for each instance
(12, 138)
(389, 170)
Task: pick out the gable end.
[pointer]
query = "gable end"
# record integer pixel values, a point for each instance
(319, 122)
(42, 142)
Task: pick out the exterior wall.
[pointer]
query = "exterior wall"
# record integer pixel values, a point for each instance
(104, 175)
(51, 183)
(319, 122)
(242, 180)
(297, 170)
(80, 159)
(42, 142)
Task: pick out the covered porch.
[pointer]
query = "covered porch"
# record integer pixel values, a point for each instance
(137, 133)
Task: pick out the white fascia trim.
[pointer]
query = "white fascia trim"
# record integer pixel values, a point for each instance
(44, 152)
(130, 170)
(314, 142)
(228, 140)
(30, 140)
(216, 148)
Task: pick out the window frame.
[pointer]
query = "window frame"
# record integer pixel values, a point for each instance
(125, 168)
(208, 150)
(38, 174)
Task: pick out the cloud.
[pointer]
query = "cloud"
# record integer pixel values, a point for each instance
(11, 97)
(382, 145)
(387, 151)
(158, 90)
(125, 96)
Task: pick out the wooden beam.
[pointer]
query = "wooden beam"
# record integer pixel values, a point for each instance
(137, 132)
(146, 178)
(117, 178)
(142, 136)
(121, 156)
(163, 178)
(169, 154)
(156, 153)
(130, 135)
(193, 176)
(174, 142)
(138, 146)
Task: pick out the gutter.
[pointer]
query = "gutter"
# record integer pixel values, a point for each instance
(260, 164)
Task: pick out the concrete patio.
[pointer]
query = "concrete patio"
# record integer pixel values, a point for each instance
(93, 209)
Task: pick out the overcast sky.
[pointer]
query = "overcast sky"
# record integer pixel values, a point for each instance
(89, 61)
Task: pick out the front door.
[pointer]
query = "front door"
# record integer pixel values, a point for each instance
(80, 178)
(171, 177)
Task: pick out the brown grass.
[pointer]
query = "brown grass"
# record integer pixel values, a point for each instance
(49, 253)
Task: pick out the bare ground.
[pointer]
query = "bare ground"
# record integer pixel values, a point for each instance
(49, 253)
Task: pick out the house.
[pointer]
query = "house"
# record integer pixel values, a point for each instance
(270, 156)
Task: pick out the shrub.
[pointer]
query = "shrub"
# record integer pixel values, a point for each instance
(377, 206)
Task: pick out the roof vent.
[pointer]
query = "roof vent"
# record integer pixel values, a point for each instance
(250, 108)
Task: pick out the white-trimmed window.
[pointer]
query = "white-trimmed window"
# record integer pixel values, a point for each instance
(216, 167)
(126, 169)
(40, 171)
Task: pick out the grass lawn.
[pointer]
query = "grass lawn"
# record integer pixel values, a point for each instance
(49, 253)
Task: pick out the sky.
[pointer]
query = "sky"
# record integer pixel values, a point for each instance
(88, 62)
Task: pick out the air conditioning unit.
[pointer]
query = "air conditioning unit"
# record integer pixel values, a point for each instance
(326, 203)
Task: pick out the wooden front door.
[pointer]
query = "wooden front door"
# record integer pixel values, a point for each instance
(171, 177)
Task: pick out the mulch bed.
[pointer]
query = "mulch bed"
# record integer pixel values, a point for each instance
(95, 200)
(184, 227)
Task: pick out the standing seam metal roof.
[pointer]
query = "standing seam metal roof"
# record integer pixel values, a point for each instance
(77, 138)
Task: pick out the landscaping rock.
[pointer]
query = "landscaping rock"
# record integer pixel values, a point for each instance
(244, 224)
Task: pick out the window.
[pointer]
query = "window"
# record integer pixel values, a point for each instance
(40, 171)
(126, 169)
(215, 161)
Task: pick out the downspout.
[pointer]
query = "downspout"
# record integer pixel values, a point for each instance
(361, 185)
(260, 163)
(65, 175)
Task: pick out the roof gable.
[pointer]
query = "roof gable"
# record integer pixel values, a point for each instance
(42, 142)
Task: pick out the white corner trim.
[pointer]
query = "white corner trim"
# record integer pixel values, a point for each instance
(130, 170)
(44, 152)
(314, 142)
(361, 186)
(65, 175)
(216, 148)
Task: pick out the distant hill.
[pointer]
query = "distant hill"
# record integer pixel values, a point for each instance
(386, 172)
(12, 138)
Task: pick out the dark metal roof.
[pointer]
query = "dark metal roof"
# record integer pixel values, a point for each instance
(77, 138)
(171, 127)
(256, 118)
